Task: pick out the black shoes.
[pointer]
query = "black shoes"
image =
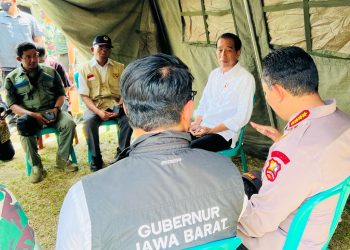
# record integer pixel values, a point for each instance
(96, 164)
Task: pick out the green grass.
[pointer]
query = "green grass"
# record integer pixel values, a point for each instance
(42, 201)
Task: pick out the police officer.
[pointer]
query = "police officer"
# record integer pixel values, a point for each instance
(36, 94)
(312, 155)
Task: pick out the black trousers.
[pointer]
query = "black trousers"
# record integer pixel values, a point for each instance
(91, 126)
(210, 142)
(6, 151)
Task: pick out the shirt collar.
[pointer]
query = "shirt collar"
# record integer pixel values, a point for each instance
(307, 114)
(231, 71)
(4, 13)
(23, 71)
(95, 63)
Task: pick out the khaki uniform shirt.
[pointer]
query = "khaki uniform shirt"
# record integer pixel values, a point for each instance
(103, 90)
(312, 156)
(36, 98)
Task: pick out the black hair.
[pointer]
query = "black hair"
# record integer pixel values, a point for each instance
(24, 47)
(41, 50)
(236, 41)
(155, 89)
(293, 69)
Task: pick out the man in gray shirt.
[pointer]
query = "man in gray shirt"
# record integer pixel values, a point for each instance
(160, 192)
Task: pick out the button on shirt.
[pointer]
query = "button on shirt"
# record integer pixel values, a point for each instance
(227, 98)
(15, 30)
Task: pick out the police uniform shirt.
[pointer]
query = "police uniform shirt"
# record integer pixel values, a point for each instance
(312, 156)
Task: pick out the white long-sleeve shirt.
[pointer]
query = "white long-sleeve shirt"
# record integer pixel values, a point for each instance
(74, 231)
(227, 98)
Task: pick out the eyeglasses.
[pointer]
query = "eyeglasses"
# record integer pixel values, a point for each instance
(193, 94)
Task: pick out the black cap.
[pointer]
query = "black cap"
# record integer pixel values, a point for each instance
(102, 40)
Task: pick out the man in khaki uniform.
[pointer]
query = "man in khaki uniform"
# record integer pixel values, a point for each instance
(311, 156)
(35, 93)
(100, 91)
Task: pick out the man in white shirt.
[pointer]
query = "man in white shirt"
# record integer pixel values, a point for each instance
(227, 101)
(100, 90)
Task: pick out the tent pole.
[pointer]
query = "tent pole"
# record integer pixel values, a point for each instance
(164, 41)
(257, 57)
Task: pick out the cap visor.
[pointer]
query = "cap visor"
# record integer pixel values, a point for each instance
(103, 44)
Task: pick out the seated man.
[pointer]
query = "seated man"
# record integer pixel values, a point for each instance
(6, 149)
(100, 91)
(227, 101)
(311, 156)
(162, 192)
(36, 94)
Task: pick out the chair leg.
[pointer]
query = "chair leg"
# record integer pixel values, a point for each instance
(244, 161)
(28, 165)
(73, 156)
(89, 155)
(40, 142)
(76, 140)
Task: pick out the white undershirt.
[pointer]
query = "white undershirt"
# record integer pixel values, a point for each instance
(102, 71)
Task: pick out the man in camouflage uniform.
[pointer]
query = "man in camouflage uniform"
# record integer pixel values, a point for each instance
(36, 94)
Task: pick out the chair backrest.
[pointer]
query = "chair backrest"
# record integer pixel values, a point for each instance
(300, 220)
(76, 79)
(225, 244)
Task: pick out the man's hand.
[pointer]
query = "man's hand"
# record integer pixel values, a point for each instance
(198, 130)
(268, 131)
(105, 115)
(38, 116)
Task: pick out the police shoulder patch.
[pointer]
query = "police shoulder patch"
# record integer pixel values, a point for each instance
(274, 165)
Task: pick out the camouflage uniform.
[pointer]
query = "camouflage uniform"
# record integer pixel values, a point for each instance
(15, 232)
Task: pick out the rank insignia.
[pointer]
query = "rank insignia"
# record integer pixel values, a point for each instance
(115, 75)
(302, 116)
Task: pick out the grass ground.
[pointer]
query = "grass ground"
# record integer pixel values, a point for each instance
(42, 201)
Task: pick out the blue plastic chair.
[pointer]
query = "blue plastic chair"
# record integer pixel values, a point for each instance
(238, 149)
(226, 244)
(300, 220)
(45, 131)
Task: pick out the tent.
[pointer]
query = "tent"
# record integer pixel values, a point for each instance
(189, 28)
